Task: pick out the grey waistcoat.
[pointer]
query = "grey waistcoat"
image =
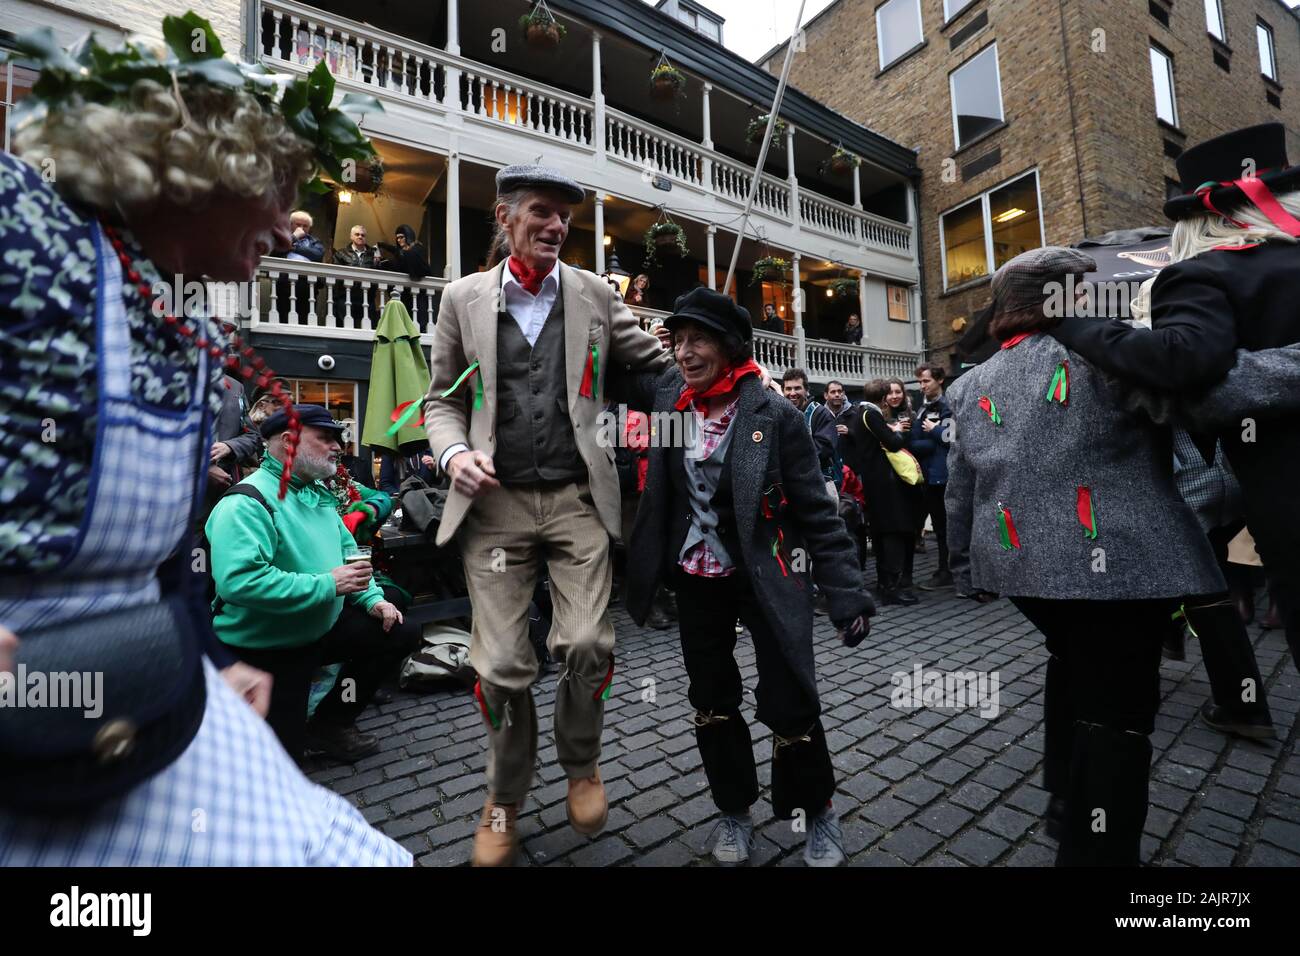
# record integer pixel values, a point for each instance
(534, 432)
(702, 476)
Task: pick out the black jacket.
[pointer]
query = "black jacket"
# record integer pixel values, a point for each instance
(770, 447)
(410, 260)
(889, 506)
(825, 437)
(367, 258)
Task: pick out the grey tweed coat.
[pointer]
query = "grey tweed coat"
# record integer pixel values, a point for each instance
(1148, 543)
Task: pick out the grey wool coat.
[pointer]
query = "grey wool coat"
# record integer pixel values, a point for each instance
(1033, 465)
(770, 446)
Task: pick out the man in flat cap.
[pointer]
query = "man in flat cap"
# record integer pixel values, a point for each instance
(521, 353)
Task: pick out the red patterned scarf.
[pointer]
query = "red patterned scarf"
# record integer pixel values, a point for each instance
(725, 383)
(530, 279)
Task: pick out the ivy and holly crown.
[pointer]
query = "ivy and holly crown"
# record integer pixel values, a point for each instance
(193, 54)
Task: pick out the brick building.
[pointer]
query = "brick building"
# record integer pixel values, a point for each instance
(1043, 122)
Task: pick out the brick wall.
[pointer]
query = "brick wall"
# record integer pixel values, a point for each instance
(1080, 110)
(145, 16)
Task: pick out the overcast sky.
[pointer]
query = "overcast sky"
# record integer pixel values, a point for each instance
(755, 26)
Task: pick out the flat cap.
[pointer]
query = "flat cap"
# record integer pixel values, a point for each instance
(313, 416)
(1021, 283)
(531, 175)
(714, 311)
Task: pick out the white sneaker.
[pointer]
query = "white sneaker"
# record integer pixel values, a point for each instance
(825, 842)
(735, 837)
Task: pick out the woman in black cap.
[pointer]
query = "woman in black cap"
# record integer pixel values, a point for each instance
(736, 519)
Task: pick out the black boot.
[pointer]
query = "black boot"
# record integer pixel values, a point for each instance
(1106, 805)
(344, 742)
(1240, 705)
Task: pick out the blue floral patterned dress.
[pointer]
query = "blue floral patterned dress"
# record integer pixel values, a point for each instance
(103, 415)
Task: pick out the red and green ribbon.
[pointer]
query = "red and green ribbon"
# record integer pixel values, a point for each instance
(478, 385)
(1182, 612)
(778, 544)
(1087, 514)
(402, 414)
(990, 409)
(602, 692)
(1060, 389)
(1007, 529)
(491, 718)
(591, 374)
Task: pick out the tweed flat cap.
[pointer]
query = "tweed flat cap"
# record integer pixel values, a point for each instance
(1021, 282)
(541, 177)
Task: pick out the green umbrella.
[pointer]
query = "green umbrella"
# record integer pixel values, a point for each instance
(398, 374)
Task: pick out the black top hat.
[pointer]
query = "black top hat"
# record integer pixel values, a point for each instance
(1255, 150)
(314, 416)
(714, 311)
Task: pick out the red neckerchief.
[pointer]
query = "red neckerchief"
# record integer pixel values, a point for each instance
(1016, 340)
(725, 383)
(530, 279)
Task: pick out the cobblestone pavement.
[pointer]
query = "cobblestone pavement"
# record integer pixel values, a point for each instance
(924, 787)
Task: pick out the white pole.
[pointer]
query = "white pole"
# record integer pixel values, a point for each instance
(767, 141)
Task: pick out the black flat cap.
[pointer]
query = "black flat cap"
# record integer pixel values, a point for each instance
(531, 175)
(315, 416)
(713, 310)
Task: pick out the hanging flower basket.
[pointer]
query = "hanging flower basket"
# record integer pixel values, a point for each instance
(754, 132)
(665, 239)
(667, 82)
(770, 269)
(842, 162)
(370, 176)
(844, 288)
(541, 30)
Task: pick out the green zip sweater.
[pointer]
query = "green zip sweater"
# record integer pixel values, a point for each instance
(273, 574)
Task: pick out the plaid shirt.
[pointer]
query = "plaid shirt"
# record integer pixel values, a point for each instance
(700, 560)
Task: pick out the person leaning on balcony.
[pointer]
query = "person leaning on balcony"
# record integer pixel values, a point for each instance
(1062, 499)
(305, 247)
(771, 321)
(356, 253)
(521, 354)
(739, 524)
(853, 330)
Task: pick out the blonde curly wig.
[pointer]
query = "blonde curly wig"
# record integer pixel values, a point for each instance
(162, 147)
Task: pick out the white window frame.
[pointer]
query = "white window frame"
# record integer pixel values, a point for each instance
(1216, 6)
(1262, 32)
(353, 447)
(952, 91)
(949, 13)
(983, 200)
(1173, 88)
(880, 40)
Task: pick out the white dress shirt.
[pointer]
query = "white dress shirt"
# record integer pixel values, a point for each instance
(529, 312)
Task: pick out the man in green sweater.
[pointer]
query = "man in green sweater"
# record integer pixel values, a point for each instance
(287, 601)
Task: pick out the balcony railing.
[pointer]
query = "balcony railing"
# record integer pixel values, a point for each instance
(339, 301)
(294, 37)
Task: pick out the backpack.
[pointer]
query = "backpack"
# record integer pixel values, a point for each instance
(443, 656)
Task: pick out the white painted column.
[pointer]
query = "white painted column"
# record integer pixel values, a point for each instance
(453, 27)
(708, 119)
(796, 214)
(451, 91)
(712, 257)
(857, 186)
(862, 305)
(600, 233)
(915, 316)
(802, 351)
(452, 270)
(598, 99)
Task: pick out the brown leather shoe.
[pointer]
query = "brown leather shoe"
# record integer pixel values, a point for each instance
(496, 846)
(588, 808)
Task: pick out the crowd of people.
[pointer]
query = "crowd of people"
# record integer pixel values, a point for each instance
(1085, 472)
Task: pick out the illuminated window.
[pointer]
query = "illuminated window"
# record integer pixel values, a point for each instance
(990, 230)
(339, 397)
(898, 297)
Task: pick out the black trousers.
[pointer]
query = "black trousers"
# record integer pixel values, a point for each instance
(358, 641)
(1230, 664)
(932, 505)
(895, 555)
(802, 776)
(1101, 698)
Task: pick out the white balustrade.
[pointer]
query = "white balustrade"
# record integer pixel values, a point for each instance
(310, 297)
(732, 181)
(500, 97)
(650, 148)
(299, 37)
